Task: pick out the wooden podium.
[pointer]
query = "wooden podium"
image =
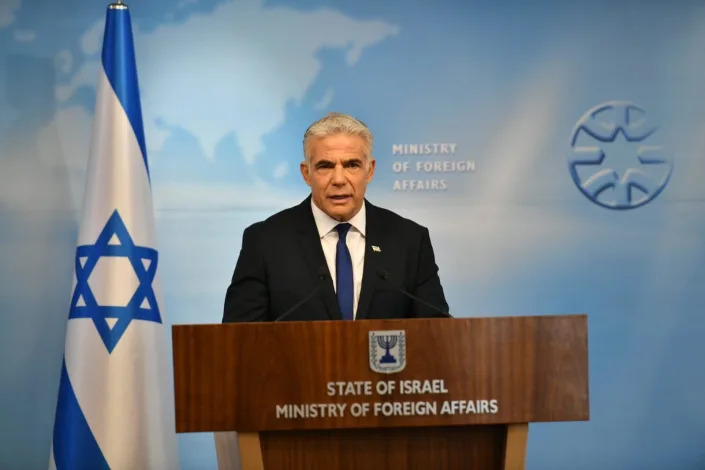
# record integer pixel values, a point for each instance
(303, 395)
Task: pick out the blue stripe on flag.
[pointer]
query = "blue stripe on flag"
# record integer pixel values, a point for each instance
(74, 444)
(121, 70)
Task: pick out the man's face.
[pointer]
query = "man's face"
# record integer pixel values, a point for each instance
(338, 174)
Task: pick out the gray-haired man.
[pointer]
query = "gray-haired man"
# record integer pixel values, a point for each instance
(335, 255)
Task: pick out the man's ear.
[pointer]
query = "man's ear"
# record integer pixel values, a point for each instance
(371, 170)
(305, 173)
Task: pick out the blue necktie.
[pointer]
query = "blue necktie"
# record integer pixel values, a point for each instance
(344, 273)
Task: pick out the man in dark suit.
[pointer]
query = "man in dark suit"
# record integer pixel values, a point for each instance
(335, 256)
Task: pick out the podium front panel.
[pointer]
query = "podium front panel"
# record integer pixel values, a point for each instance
(326, 375)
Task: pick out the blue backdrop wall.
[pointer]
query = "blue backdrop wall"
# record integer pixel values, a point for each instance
(570, 180)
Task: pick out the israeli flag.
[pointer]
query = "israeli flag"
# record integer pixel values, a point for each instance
(115, 407)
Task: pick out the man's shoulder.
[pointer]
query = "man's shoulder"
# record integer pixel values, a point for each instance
(393, 221)
(288, 215)
(291, 218)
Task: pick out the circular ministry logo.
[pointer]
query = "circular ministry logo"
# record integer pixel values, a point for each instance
(616, 160)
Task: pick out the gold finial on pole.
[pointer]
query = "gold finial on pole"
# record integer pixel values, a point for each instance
(118, 5)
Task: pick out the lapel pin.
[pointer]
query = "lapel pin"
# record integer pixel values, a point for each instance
(376, 248)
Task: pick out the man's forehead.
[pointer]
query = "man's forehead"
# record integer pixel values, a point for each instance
(338, 154)
(338, 141)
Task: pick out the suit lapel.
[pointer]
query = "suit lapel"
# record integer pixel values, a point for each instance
(375, 236)
(311, 249)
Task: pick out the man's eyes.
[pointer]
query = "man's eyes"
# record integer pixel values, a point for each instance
(330, 165)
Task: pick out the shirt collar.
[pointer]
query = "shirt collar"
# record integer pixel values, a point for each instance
(326, 223)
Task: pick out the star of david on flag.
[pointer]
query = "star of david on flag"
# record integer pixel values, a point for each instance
(115, 241)
(116, 407)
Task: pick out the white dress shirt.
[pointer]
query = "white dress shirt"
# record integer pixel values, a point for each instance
(355, 241)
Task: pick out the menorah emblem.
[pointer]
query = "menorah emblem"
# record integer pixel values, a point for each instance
(387, 351)
(387, 342)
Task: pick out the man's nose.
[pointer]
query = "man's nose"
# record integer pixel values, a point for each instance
(338, 175)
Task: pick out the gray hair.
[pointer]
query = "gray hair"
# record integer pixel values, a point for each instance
(339, 123)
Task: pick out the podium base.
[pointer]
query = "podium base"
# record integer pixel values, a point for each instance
(488, 447)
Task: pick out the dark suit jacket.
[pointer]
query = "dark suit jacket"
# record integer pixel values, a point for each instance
(282, 262)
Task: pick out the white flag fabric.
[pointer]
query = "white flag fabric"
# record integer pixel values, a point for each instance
(115, 407)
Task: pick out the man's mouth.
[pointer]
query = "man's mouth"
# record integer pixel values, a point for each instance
(340, 198)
